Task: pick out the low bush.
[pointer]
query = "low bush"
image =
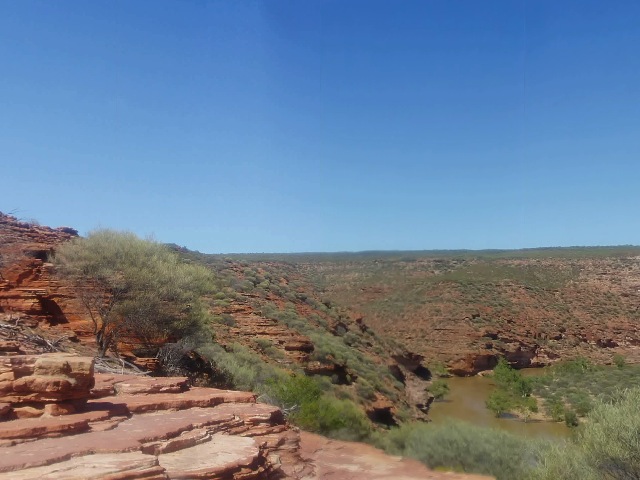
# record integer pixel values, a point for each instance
(294, 392)
(605, 447)
(439, 389)
(336, 418)
(240, 368)
(462, 447)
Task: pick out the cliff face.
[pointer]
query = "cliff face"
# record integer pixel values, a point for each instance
(28, 291)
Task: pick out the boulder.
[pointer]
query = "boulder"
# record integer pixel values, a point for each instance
(47, 378)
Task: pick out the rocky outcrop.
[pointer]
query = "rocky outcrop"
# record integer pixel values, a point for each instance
(29, 294)
(130, 426)
(37, 384)
(137, 427)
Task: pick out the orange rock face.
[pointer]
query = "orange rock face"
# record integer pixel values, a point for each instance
(29, 294)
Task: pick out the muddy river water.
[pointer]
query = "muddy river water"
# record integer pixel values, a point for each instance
(466, 401)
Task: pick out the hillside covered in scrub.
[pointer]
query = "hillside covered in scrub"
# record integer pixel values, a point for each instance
(465, 309)
(344, 345)
(249, 326)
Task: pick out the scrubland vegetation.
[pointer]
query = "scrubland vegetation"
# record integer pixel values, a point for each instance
(160, 301)
(607, 446)
(168, 300)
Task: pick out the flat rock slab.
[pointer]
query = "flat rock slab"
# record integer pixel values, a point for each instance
(108, 385)
(195, 397)
(129, 435)
(143, 384)
(122, 466)
(253, 413)
(220, 457)
(30, 428)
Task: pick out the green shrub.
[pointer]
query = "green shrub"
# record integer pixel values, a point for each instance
(294, 392)
(582, 404)
(134, 288)
(462, 447)
(439, 389)
(605, 447)
(570, 418)
(240, 368)
(610, 438)
(562, 461)
(499, 402)
(365, 390)
(336, 418)
(619, 361)
(439, 369)
(554, 408)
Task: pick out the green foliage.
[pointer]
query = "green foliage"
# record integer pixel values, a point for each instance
(571, 418)
(610, 438)
(241, 368)
(605, 447)
(135, 287)
(577, 383)
(562, 461)
(439, 389)
(500, 402)
(439, 369)
(365, 390)
(554, 408)
(337, 418)
(462, 447)
(574, 366)
(526, 406)
(619, 361)
(511, 380)
(513, 392)
(294, 392)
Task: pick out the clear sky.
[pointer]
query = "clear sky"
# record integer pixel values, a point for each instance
(281, 126)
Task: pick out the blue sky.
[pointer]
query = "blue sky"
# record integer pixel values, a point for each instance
(282, 126)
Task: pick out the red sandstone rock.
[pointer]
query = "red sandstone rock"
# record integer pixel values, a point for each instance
(143, 384)
(195, 433)
(58, 409)
(9, 347)
(45, 378)
(221, 457)
(121, 466)
(196, 397)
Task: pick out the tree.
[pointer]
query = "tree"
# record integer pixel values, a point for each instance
(499, 402)
(135, 287)
(513, 392)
